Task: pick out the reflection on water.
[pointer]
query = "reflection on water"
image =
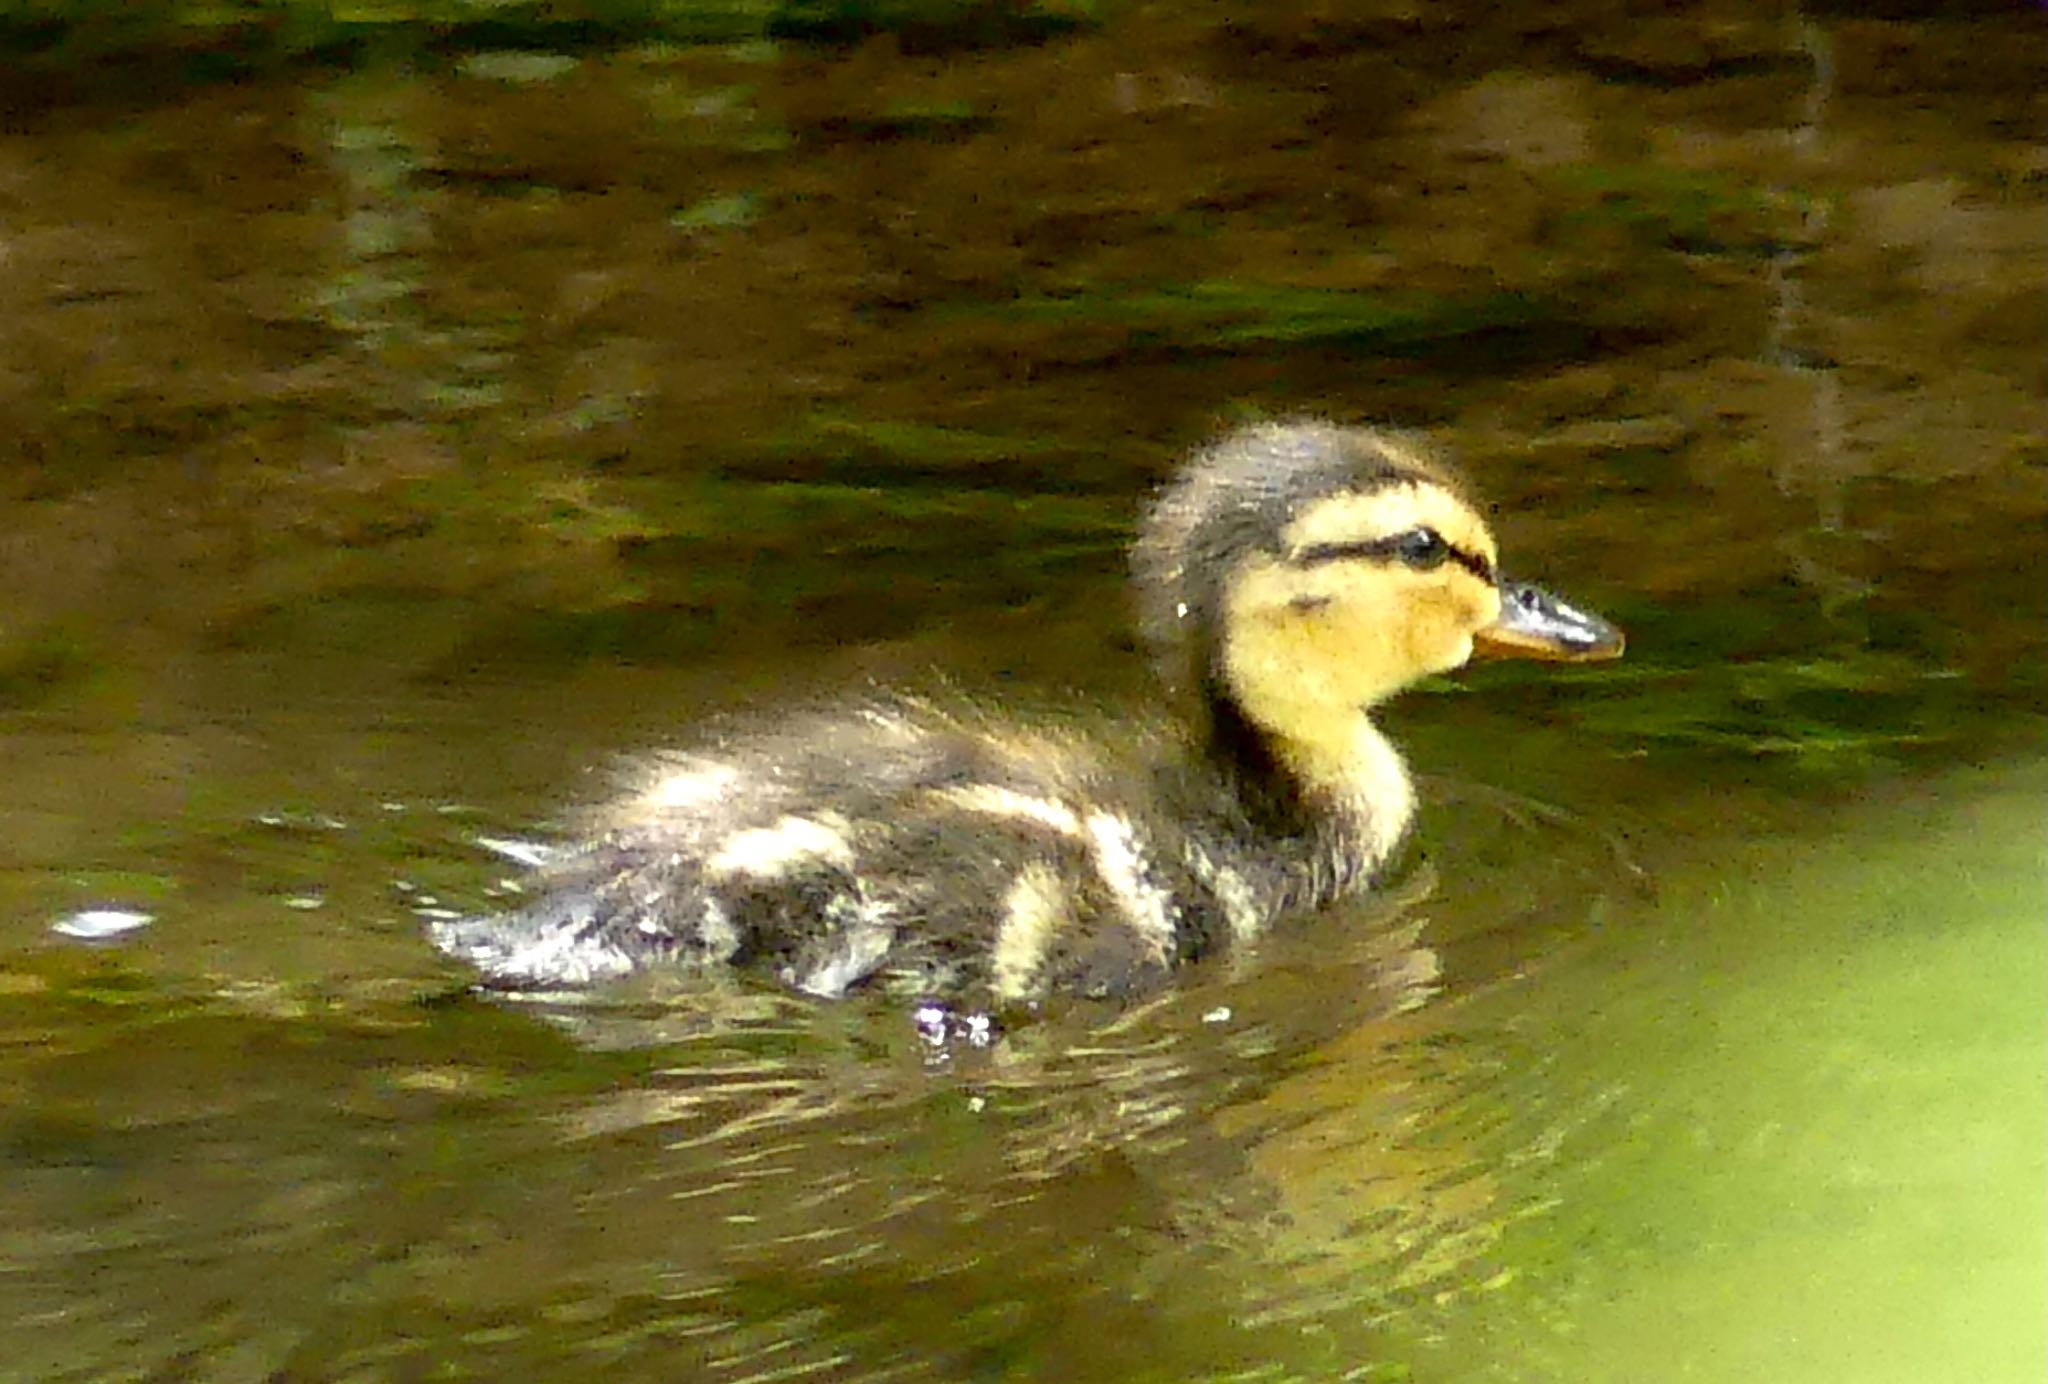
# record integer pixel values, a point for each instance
(1319, 1163)
(387, 447)
(781, 1187)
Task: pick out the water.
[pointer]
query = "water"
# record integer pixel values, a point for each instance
(1789, 1148)
(393, 447)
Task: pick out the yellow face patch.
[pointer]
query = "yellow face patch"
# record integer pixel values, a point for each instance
(1338, 622)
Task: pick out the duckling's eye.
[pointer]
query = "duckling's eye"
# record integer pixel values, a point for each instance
(1421, 549)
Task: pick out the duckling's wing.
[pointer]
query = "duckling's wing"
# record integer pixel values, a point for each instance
(774, 847)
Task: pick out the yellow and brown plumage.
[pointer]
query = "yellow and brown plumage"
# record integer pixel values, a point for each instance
(1294, 576)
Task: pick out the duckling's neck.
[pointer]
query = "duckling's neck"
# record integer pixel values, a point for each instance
(1361, 776)
(1328, 768)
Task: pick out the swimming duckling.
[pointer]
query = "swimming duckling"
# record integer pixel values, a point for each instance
(1294, 576)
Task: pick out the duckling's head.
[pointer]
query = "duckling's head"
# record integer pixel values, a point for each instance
(1296, 574)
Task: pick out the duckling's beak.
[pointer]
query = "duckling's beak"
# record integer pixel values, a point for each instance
(1535, 624)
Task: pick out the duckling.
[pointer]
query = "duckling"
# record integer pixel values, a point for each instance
(1294, 576)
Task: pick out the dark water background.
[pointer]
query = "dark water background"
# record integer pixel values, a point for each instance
(405, 414)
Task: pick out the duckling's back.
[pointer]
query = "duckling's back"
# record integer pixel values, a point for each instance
(928, 852)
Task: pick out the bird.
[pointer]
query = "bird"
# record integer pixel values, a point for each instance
(1291, 577)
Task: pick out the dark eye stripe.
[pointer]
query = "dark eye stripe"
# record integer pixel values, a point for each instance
(1475, 563)
(1380, 549)
(1320, 553)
